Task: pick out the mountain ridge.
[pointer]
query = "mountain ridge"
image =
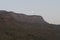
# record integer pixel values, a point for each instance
(23, 17)
(17, 26)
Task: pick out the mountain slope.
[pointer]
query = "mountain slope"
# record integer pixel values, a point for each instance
(14, 26)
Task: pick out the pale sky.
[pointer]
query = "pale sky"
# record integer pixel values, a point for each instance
(48, 9)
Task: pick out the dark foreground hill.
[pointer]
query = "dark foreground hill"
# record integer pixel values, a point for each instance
(14, 26)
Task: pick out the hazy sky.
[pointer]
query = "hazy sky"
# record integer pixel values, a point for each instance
(49, 9)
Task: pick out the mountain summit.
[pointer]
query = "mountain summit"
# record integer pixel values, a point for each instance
(22, 17)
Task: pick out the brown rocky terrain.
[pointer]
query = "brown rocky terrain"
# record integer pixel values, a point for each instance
(18, 26)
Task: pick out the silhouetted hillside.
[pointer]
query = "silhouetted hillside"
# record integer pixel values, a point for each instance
(15, 26)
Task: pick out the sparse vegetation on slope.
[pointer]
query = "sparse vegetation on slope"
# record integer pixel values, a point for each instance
(12, 28)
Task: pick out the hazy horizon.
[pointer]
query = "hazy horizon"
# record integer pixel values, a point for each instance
(48, 9)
